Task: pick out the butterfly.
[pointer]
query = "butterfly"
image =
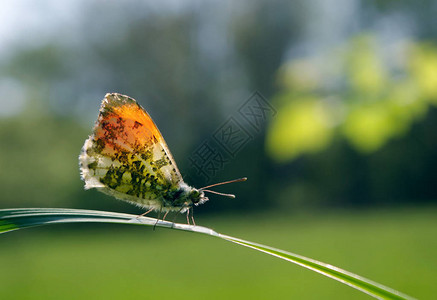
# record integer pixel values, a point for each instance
(127, 157)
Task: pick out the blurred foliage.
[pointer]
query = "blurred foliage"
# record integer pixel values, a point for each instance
(363, 98)
(34, 173)
(357, 125)
(356, 111)
(302, 126)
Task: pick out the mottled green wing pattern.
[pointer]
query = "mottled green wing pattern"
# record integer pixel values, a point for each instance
(127, 156)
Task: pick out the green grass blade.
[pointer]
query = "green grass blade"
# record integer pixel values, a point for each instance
(360, 283)
(14, 219)
(19, 218)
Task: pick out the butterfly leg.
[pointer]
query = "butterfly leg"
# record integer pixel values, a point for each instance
(165, 215)
(157, 219)
(192, 216)
(142, 215)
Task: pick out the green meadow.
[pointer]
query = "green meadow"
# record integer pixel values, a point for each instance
(396, 248)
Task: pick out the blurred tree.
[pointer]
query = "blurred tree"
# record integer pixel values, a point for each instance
(374, 103)
(371, 103)
(355, 125)
(38, 161)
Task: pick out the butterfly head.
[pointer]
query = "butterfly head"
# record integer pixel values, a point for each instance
(197, 196)
(187, 196)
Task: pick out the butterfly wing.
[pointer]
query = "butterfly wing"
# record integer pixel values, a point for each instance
(126, 156)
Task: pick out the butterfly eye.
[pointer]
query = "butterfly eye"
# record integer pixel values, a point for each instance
(196, 196)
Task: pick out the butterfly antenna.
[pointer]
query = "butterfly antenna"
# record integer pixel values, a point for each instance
(221, 183)
(221, 194)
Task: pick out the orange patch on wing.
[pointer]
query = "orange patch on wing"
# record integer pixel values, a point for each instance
(135, 113)
(126, 128)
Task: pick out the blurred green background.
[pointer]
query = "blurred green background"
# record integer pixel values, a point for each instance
(341, 165)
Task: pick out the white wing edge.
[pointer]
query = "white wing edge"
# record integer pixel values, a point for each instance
(85, 173)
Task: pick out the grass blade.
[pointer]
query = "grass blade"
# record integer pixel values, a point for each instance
(360, 283)
(19, 218)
